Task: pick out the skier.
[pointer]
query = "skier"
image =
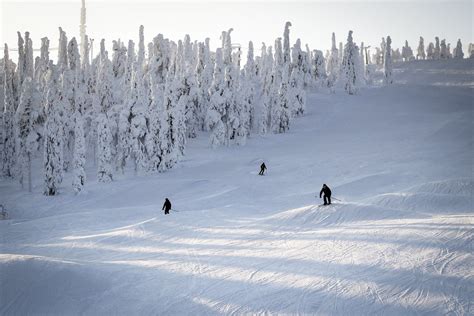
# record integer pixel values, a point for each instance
(262, 169)
(327, 194)
(167, 206)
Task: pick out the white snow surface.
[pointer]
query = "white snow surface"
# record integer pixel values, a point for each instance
(399, 242)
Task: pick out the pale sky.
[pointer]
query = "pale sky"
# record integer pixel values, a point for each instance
(262, 21)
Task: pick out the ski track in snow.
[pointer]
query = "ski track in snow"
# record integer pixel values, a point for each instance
(399, 242)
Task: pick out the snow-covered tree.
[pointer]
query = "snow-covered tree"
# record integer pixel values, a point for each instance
(41, 72)
(458, 53)
(471, 50)
(62, 51)
(8, 150)
(29, 64)
(104, 142)
(383, 47)
(79, 162)
(421, 49)
(407, 52)
(69, 83)
(104, 86)
(349, 74)
(204, 72)
(282, 112)
(20, 71)
(53, 146)
(141, 47)
(296, 93)
(119, 65)
(190, 95)
(443, 54)
(430, 51)
(387, 65)
(216, 111)
(27, 137)
(286, 44)
(250, 85)
(333, 63)
(362, 60)
(138, 104)
(437, 49)
(318, 66)
(296, 96)
(270, 91)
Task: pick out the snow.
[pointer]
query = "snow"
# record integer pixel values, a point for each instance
(399, 239)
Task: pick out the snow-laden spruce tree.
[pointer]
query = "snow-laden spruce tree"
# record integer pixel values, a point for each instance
(421, 49)
(176, 118)
(449, 55)
(81, 103)
(168, 140)
(458, 53)
(62, 51)
(443, 53)
(333, 63)
(437, 49)
(178, 109)
(233, 117)
(349, 73)
(341, 52)
(154, 115)
(308, 79)
(54, 138)
(216, 111)
(104, 153)
(430, 51)
(9, 144)
(296, 95)
(383, 46)
(362, 61)
(407, 52)
(27, 137)
(284, 105)
(29, 63)
(141, 48)
(269, 91)
(79, 160)
(190, 94)
(103, 104)
(119, 65)
(286, 44)
(69, 84)
(387, 65)
(20, 70)
(138, 104)
(41, 68)
(104, 87)
(250, 86)
(318, 66)
(280, 111)
(204, 72)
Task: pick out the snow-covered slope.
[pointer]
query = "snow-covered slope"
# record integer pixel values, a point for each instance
(399, 239)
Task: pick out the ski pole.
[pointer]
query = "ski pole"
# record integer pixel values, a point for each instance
(336, 199)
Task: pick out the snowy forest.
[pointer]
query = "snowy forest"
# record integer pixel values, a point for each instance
(137, 107)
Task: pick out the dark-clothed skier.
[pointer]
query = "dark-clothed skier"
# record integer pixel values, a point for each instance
(262, 169)
(167, 206)
(327, 194)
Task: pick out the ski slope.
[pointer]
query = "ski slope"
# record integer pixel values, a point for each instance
(399, 241)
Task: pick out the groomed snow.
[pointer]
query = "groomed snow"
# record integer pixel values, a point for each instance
(399, 241)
